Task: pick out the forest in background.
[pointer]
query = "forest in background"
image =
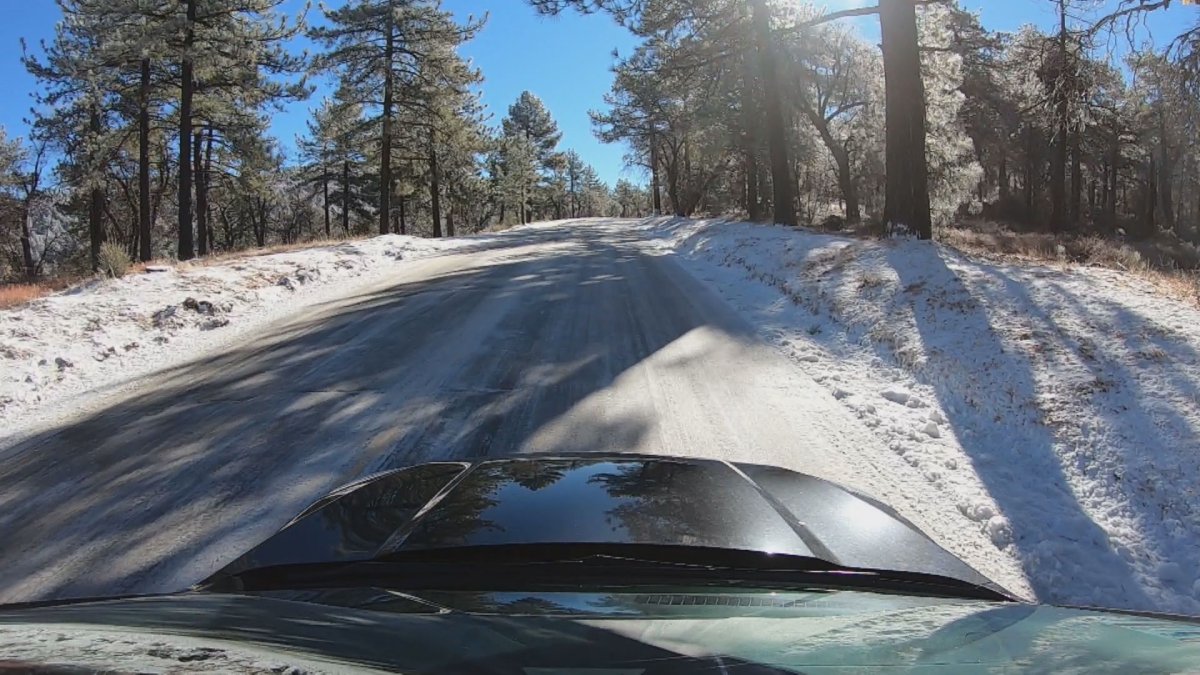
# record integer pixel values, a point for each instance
(1084, 129)
(149, 137)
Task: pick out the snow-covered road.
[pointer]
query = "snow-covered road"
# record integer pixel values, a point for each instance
(578, 337)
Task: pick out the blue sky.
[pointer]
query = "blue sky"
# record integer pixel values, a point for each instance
(565, 60)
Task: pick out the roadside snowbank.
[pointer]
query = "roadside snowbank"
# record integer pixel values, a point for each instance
(110, 331)
(1057, 406)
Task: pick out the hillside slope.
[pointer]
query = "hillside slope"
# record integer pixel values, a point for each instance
(1058, 406)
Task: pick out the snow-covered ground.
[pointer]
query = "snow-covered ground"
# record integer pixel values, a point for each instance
(109, 332)
(1058, 408)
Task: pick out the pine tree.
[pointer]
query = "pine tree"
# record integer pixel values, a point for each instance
(384, 52)
(631, 200)
(529, 120)
(323, 154)
(230, 54)
(79, 78)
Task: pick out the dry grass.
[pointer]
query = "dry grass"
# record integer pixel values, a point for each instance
(1172, 266)
(12, 295)
(498, 227)
(226, 256)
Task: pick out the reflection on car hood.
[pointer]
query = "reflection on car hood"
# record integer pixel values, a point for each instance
(621, 499)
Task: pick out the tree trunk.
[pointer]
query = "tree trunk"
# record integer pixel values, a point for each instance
(1076, 202)
(1114, 161)
(673, 187)
(435, 187)
(346, 197)
(750, 140)
(1029, 191)
(96, 198)
(325, 199)
(263, 219)
(207, 209)
(145, 251)
(403, 215)
(1058, 178)
(449, 212)
(1150, 226)
(27, 239)
(201, 194)
(1058, 165)
(849, 189)
(187, 249)
(32, 183)
(906, 207)
(1104, 190)
(781, 181)
(655, 183)
(841, 158)
(385, 155)
(1166, 175)
(1002, 178)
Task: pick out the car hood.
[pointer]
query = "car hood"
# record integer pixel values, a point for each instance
(590, 499)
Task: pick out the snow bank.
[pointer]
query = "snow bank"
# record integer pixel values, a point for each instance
(111, 331)
(1057, 406)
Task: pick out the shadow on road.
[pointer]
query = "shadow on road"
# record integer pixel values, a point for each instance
(161, 489)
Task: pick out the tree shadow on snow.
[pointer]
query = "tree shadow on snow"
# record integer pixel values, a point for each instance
(1135, 414)
(1011, 449)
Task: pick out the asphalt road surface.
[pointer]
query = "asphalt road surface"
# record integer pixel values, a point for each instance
(572, 338)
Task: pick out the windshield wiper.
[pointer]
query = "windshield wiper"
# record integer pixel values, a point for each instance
(557, 566)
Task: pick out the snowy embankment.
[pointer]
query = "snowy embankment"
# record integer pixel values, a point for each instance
(109, 332)
(1059, 408)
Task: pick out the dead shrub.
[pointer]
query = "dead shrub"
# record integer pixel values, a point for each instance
(113, 261)
(12, 295)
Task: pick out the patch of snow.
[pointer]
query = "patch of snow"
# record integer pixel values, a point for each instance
(1056, 406)
(83, 648)
(931, 429)
(105, 332)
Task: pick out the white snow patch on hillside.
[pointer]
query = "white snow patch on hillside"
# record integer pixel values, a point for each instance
(110, 331)
(1058, 407)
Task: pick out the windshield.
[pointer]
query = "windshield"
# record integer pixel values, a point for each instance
(896, 296)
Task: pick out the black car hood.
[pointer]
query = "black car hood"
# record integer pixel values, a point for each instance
(590, 499)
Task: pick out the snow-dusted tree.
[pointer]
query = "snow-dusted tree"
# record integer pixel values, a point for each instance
(637, 114)
(838, 80)
(954, 172)
(319, 154)
(76, 98)
(631, 201)
(445, 108)
(584, 193)
(12, 157)
(680, 119)
(512, 167)
(231, 54)
(529, 119)
(385, 52)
